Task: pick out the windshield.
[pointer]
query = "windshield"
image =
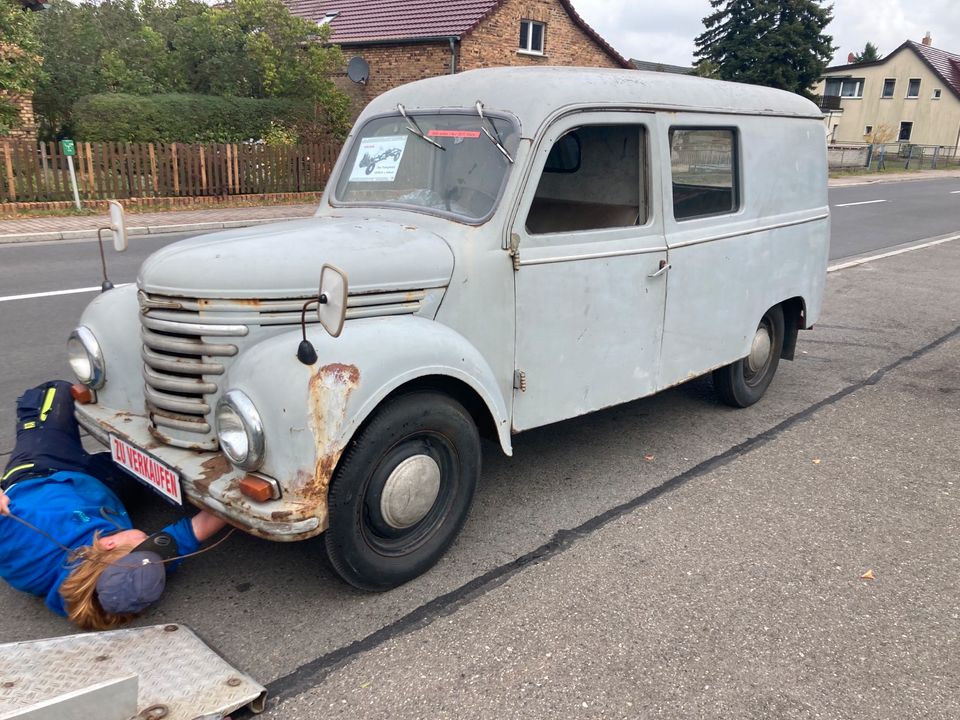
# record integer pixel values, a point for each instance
(452, 168)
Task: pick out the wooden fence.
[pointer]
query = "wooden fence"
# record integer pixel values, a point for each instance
(32, 172)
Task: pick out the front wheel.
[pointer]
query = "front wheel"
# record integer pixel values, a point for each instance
(402, 491)
(742, 383)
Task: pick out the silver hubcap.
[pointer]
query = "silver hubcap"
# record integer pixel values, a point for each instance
(410, 491)
(760, 350)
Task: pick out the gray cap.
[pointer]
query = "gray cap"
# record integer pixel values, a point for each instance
(132, 583)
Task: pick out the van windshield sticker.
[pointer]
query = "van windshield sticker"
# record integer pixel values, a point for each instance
(379, 159)
(454, 133)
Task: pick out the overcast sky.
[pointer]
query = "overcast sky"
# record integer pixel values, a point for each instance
(663, 31)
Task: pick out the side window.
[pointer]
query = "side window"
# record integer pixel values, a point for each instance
(594, 178)
(704, 169)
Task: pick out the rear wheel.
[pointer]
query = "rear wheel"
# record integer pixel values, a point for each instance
(402, 491)
(742, 383)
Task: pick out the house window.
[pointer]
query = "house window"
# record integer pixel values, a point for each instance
(889, 86)
(844, 87)
(703, 163)
(913, 89)
(937, 93)
(905, 129)
(327, 19)
(868, 130)
(531, 36)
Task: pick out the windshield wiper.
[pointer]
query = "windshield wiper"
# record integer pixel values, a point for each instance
(495, 140)
(418, 132)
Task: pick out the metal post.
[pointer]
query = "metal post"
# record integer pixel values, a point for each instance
(936, 153)
(906, 165)
(881, 161)
(869, 156)
(73, 181)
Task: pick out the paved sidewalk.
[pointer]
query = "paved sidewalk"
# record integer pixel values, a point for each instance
(870, 178)
(73, 228)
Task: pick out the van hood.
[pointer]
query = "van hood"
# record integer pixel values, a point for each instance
(283, 260)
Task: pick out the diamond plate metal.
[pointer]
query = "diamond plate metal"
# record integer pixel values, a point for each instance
(174, 667)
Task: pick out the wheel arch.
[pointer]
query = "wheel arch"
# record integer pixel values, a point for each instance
(794, 320)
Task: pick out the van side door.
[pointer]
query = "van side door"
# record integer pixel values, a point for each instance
(590, 279)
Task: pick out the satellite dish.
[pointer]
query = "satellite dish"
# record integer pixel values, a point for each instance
(358, 70)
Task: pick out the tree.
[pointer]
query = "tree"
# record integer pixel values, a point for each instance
(246, 48)
(869, 54)
(777, 43)
(20, 61)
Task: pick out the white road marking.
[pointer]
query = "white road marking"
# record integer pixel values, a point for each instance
(865, 202)
(955, 192)
(52, 293)
(861, 261)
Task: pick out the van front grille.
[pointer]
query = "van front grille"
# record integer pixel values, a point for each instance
(189, 343)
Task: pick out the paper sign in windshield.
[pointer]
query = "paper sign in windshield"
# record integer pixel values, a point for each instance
(379, 159)
(454, 133)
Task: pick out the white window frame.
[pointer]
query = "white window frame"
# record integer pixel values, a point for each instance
(900, 137)
(919, 82)
(937, 94)
(868, 129)
(856, 83)
(528, 48)
(893, 90)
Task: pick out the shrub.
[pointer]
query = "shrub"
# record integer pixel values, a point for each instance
(187, 118)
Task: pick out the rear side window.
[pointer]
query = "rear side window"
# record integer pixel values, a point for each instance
(703, 164)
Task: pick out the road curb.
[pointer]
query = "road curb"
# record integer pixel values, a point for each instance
(144, 230)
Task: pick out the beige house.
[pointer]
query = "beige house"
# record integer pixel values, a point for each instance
(912, 95)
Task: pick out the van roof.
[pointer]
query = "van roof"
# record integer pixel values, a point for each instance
(533, 94)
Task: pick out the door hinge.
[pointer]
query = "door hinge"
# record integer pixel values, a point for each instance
(519, 380)
(515, 250)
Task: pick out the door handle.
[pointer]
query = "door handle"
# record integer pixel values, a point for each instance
(664, 266)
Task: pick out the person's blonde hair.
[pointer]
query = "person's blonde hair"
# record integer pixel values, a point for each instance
(79, 590)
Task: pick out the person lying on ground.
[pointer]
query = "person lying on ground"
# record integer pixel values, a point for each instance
(82, 553)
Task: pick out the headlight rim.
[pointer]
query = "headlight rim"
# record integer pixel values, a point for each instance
(88, 341)
(243, 407)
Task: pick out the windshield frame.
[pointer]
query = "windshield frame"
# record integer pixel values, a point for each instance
(344, 165)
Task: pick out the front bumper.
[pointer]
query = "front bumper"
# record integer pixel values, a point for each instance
(208, 479)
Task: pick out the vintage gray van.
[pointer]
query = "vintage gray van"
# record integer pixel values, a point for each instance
(496, 250)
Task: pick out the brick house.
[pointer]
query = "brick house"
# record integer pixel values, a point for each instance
(406, 40)
(911, 95)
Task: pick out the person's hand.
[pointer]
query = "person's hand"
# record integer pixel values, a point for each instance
(4, 503)
(205, 525)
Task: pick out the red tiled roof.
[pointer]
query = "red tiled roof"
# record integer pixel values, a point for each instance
(944, 64)
(367, 21)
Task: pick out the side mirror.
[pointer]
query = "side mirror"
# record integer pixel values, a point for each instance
(118, 226)
(332, 309)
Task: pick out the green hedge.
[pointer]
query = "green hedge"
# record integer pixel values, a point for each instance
(183, 118)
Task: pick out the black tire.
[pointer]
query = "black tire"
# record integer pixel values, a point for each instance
(741, 384)
(364, 547)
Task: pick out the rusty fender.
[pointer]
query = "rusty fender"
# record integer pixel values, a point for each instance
(310, 413)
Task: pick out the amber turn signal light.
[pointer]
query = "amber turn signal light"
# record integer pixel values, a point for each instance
(81, 393)
(256, 488)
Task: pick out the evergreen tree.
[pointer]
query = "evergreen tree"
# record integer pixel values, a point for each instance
(777, 43)
(869, 54)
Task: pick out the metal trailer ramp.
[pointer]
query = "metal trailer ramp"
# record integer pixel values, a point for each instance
(160, 672)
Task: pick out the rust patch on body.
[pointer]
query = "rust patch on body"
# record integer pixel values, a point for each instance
(215, 468)
(329, 390)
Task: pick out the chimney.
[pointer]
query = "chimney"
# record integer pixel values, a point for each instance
(927, 40)
(851, 58)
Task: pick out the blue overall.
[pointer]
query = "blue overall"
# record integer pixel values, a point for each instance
(53, 483)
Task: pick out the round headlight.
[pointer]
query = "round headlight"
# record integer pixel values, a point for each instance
(240, 430)
(85, 357)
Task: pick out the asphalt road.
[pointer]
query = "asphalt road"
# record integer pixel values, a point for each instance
(602, 521)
